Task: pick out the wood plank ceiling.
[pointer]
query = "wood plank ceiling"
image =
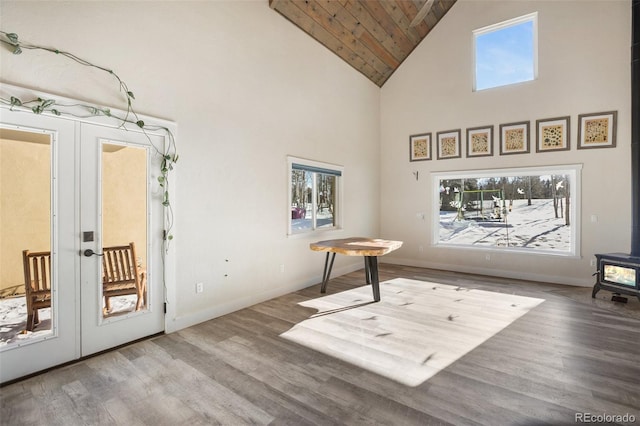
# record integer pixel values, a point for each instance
(373, 36)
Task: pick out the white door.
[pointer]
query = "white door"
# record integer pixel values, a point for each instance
(67, 187)
(38, 192)
(118, 206)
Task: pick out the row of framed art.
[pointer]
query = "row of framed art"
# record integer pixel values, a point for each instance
(595, 130)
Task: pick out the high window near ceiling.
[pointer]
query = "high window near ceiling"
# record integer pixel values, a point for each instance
(314, 195)
(506, 53)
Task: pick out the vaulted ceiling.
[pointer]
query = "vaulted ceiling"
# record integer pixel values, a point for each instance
(373, 36)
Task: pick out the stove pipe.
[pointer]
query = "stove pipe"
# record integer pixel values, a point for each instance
(635, 128)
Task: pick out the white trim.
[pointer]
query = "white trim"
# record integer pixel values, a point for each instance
(508, 23)
(8, 90)
(187, 320)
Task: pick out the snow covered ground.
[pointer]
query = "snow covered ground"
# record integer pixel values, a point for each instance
(323, 218)
(13, 318)
(533, 227)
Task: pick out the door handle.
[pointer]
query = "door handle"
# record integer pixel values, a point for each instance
(89, 253)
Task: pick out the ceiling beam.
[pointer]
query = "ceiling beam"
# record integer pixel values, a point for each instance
(422, 13)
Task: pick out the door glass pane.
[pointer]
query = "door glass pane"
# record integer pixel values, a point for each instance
(124, 229)
(26, 278)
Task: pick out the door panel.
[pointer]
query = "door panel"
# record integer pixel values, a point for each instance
(119, 207)
(91, 187)
(39, 197)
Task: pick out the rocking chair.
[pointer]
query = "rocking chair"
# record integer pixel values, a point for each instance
(37, 284)
(121, 276)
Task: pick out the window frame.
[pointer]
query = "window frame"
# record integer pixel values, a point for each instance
(573, 170)
(533, 17)
(315, 167)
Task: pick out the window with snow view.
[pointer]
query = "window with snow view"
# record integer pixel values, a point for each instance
(314, 190)
(526, 209)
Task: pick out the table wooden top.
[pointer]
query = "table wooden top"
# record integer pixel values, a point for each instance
(357, 246)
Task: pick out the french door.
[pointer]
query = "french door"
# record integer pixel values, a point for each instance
(117, 208)
(83, 197)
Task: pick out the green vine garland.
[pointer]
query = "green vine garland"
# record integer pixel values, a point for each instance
(39, 106)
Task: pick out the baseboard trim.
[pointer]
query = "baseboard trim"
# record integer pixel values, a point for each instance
(576, 282)
(188, 320)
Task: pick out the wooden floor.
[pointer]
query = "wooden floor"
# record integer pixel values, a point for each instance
(562, 358)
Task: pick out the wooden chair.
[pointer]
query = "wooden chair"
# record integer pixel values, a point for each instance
(37, 284)
(121, 275)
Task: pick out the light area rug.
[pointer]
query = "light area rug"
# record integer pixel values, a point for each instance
(417, 329)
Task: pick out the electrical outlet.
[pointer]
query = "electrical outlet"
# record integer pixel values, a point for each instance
(487, 257)
(592, 262)
(199, 287)
(282, 268)
(421, 249)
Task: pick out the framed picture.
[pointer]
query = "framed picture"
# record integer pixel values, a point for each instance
(480, 141)
(420, 147)
(448, 144)
(514, 138)
(553, 134)
(597, 130)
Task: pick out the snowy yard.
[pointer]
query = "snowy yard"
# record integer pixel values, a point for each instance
(13, 318)
(533, 227)
(324, 217)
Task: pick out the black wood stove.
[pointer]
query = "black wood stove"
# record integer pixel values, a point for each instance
(619, 272)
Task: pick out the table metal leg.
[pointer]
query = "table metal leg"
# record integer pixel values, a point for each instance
(367, 270)
(327, 272)
(373, 271)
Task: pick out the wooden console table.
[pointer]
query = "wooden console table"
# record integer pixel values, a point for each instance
(370, 248)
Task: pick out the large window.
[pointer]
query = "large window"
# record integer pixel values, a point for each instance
(314, 195)
(529, 209)
(506, 53)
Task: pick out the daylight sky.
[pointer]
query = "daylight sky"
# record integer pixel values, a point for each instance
(505, 56)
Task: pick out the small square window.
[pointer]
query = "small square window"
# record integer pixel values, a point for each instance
(314, 191)
(506, 53)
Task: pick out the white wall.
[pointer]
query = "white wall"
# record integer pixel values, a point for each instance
(584, 67)
(246, 89)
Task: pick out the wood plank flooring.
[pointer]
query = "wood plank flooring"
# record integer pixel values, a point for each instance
(561, 358)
